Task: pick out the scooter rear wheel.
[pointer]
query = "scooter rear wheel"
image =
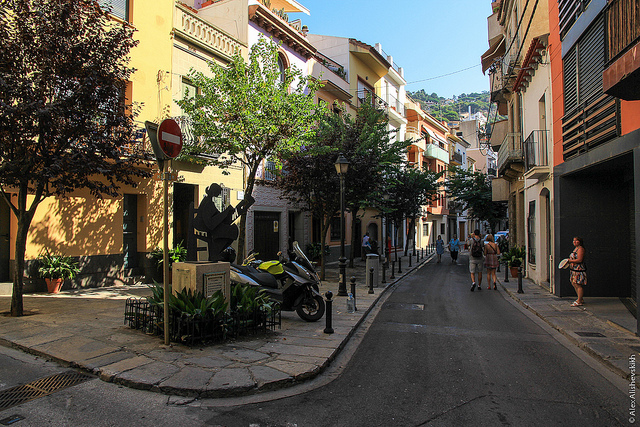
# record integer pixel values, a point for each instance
(311, 309)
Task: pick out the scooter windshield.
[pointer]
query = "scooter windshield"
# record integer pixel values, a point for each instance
(299, 253)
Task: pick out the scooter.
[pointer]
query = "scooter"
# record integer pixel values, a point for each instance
(293, 282)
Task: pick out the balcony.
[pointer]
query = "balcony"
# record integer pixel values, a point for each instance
(492, 172)
(363, 96)
(456, 159)
(621, 78)
(413, 134)
(202, 33)
(396, 105)
(511, 157)
(434, 151)
(536, 157)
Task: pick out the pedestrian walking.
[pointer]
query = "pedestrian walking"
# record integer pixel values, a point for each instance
(454, 248)
(439, 248)
(476, 258)
(491, 252)
(578, 269)
(366, 246)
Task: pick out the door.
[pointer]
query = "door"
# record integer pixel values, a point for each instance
(130, 231)
(183, 196)
(266, 235)
(5, 223)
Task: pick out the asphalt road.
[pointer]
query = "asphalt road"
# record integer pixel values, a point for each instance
(435, 354)
(438, 354)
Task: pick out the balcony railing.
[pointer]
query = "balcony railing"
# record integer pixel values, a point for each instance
(510, 150)
(371, 98)
(457, 157)
(535, 149)
(396, 105)
(436, 152)
(623, 26)
(204, 33)
(592, 124)
(332, 66)
(492, 172)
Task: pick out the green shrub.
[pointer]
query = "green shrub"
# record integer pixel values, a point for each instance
(57, 267)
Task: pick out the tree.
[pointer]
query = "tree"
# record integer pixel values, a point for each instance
(473, 191)
(249, 111)
(311, 181)
(409, 189)
(63, 121)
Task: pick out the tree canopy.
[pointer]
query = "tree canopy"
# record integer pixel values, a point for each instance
(64, 124)
(472, 190)
(249, 111)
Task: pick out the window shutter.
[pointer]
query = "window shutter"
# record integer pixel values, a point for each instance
(591, 61)
(119, 8)
(569, 65)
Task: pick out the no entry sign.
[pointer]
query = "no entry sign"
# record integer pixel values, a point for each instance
(170, 138)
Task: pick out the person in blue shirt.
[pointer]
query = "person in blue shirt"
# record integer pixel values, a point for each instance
(439, 248)
(454, 248)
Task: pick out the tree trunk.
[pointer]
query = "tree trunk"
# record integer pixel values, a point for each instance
(24, 217)
(242, 232)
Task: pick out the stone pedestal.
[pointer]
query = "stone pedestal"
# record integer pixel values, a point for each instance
(202, 276)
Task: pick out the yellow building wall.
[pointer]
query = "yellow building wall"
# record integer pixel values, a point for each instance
(82, 224)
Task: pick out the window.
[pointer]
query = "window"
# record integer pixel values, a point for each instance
(531, 232)
(442, 228)
(283, 64)
(425, 229)
(119, 8)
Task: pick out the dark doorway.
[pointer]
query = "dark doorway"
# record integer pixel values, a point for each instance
(183, 196)
(130, 231)
(5, 223)
(266, 235)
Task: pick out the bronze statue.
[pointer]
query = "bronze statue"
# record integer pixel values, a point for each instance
(218, 227)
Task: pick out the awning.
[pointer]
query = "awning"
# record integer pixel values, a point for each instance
(435, 136)
(496, 50)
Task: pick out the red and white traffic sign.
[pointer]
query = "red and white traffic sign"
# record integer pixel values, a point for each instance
(170, 138)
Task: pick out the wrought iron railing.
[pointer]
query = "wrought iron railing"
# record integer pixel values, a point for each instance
(535, 149)
(367, 96)
(457, 157)
(332, 66)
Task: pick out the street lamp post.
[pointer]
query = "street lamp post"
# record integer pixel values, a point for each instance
(342, 166)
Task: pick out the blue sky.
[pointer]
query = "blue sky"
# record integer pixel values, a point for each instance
(428, 38)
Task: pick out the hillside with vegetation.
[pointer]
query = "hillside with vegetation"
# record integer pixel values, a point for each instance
(455, 108)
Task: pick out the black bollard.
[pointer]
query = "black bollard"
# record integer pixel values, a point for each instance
(384, 270)
(371, 280)
(353, 292)
(410, 260)
(329, 327)
(417, 256)
(399, 265)
(393, 269)
(506, 272)
(520, 291)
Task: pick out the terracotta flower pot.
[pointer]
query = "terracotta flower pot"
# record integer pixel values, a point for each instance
(514, 271)
(54, 285)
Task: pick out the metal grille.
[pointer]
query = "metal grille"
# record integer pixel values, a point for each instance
(590, 334)
(39, 388)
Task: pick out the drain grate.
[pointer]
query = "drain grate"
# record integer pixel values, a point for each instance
(590, 334)
(39, 388)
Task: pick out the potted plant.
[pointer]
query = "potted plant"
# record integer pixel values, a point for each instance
(514, 258)
(55, 268)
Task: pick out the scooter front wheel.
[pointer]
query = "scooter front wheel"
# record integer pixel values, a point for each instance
(311, 309)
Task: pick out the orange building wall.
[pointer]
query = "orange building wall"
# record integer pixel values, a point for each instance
(557, 87)
(630, 116)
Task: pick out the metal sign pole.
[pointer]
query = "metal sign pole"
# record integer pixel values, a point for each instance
(165, 251)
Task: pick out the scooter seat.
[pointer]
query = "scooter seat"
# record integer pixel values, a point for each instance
(264, 279)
